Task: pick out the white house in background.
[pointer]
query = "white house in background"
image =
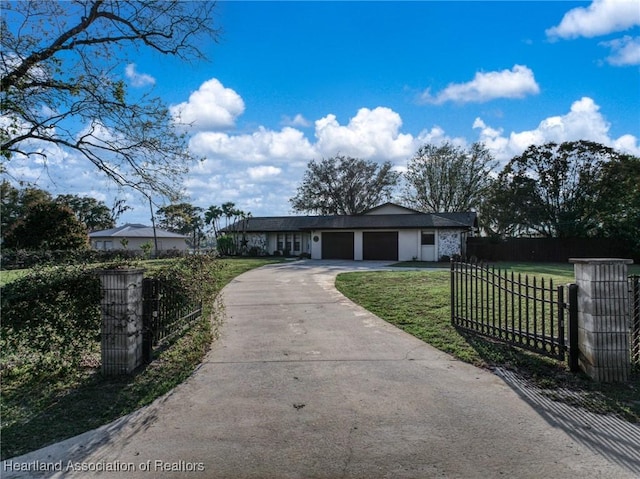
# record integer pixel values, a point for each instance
(386, 232)
(133, 236)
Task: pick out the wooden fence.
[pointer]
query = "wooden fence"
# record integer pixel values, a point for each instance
(547, 249)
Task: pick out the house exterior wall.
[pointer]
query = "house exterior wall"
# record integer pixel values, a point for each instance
(390, 210)
(258, 240)
(449, 243)
(408, 245)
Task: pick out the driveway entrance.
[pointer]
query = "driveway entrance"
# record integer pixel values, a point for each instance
(302, 383)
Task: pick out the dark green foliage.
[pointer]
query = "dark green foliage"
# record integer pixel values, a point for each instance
(50, 319)
(194, 278)
(564, 190)
(47, 226)
(94, 214)
(226, 245)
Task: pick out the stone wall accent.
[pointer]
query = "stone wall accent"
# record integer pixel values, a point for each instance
(448, 243)
(121, 308)
(603, 317)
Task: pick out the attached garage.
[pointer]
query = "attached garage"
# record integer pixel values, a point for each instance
(380, 245)
(337, 245)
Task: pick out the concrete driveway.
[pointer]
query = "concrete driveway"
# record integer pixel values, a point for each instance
(305, 384)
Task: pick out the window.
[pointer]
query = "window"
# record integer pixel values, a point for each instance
(287, 245)
(280, 246)
(108, 245)
(296, 242)
(428, 239)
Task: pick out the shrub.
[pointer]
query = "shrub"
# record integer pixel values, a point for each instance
(226, 245)
(50, 318)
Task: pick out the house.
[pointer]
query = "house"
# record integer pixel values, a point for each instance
(386, 232)
(133, 236)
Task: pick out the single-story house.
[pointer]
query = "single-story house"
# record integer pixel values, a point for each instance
(386, 232)
(133, 236)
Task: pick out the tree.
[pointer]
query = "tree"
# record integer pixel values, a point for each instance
(15, 204)
(448, 178)
(61, 85)
(212, 217)
(93, 213)
(48, 226)
(343, 185)
(549, 191)
(182, 218)
(616, 193)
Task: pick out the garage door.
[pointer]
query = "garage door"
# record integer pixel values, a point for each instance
(380, 245)
(337, 245)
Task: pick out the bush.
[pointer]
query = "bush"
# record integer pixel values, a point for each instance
(226, 245)
(193, 277)
(50, 318)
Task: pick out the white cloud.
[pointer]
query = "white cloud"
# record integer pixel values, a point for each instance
(260, 146)
(583, 122)
(371, 134)
(297, 121)
(515, 83)
(138, 79)
(262, 172)
(600, 18)
(211, 107)
(624, 51)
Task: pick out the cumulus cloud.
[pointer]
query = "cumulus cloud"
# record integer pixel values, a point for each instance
(138, 79)
(371, 134)
(624, 51)
(600, 18)
(583, 122)
(262, 172)
(485, 86)
(211, 107)
(260, 146)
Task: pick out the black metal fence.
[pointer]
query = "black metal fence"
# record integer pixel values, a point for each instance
(527, 312)
(634, 298)
(165, 311)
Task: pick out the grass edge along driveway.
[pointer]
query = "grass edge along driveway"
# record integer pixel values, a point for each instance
(418, 303)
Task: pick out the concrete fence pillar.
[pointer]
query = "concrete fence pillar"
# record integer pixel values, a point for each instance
(603, 317)
(121, 308)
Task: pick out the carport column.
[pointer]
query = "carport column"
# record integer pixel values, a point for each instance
(121, 308)
(603, 317)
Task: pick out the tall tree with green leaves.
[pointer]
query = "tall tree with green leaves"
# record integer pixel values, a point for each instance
(342, 185)
(15, 203)
(448, 178)
(62, 85)
(48, 226)
(549, 190)
(93, 213)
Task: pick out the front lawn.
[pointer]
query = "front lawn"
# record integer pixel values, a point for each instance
(39, 408)
(418, 302)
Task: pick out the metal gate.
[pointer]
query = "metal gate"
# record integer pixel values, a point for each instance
(165, 312)
(528, 312)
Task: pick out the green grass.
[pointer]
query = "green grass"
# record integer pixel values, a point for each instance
(418, 302)
(46, 407)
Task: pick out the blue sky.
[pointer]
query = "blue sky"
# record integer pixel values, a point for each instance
(289, 82)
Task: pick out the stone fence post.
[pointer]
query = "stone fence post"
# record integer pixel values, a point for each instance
(121, 308)
(603, 317)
